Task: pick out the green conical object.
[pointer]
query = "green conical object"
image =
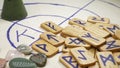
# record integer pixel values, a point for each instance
(13, 10)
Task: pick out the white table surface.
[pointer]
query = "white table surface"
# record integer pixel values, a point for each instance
(58, 11)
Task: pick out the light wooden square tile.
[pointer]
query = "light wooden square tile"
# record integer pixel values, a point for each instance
(79, 22)
(52, 38)
(117, 57)
(82, 56)
(52, 27)
(110, 45)
(94, 19)
(68, 60)
(44, 47)
(106, 60)
(97, 30)
(76, 42)
(91, 38)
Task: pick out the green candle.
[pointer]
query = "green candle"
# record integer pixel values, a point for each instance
(13, 10)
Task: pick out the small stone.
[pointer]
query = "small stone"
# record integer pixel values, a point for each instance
(21, 63)
(13, 54)
(24, 49)
(40, 59)
(2, 63)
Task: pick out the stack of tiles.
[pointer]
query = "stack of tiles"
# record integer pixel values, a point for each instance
(94, 43)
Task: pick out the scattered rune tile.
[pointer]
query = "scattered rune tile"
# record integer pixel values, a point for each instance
(51, 27)
(119, 56)
(24, 49)
(94, 19)
(2, 63)
(117, 34)
(40, 59)
(44, 47)
(106, 60)
(79, 22)
(110, 45)
(13, 54)
(98, 31)
(76, 42)
(69, 61)
(91, 38)
(52, 38)
(83, 56)
(21, 63)
(112, 28)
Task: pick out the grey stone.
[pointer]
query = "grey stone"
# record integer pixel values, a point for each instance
(40, 59)
(24, 49)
